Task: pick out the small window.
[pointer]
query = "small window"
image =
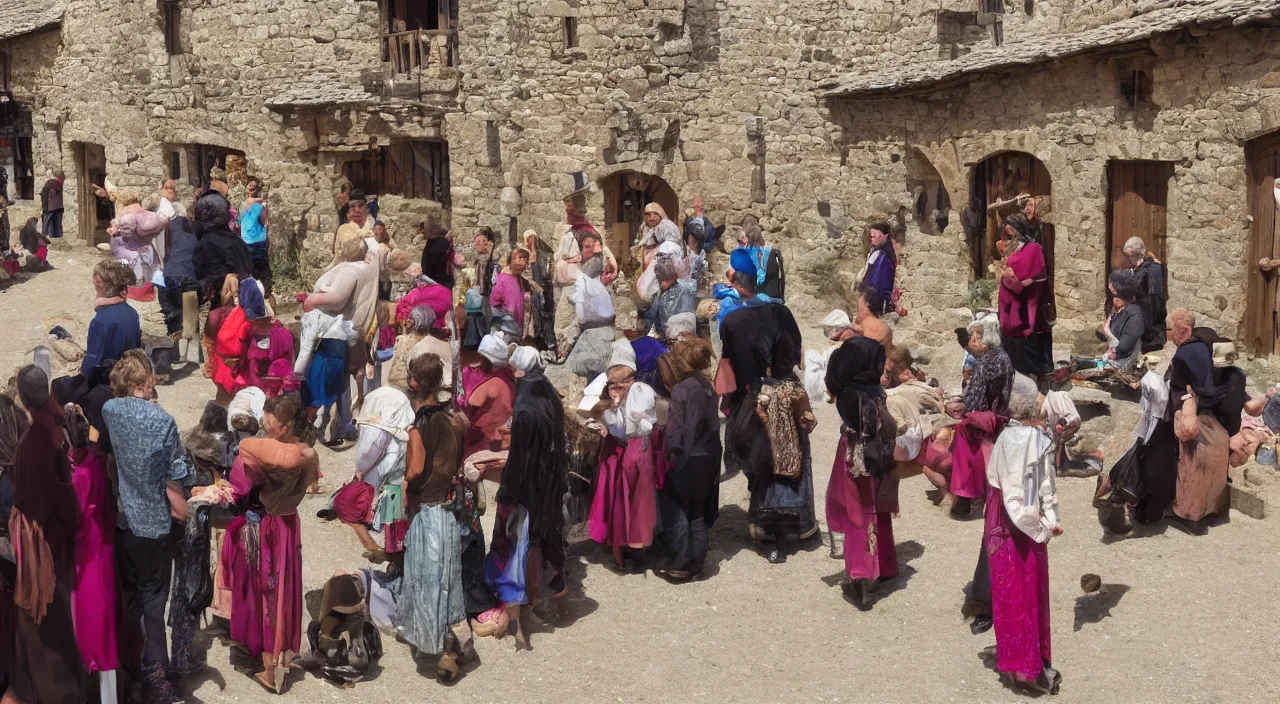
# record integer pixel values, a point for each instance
(992, 6)
(493, 143)
(1136, 86)
(570, 32)
(203, 159)
(1029, 7)
(175, 165)
(417, 169)
(171, 22)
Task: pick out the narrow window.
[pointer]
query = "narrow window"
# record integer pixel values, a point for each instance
(175, 165)
(570, 32)
(172, 23)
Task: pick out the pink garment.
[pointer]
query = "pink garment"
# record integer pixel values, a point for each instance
(439, 298)
(624, 511)
(269, 369)
(975, 436)
(508, 296)
(266, 613)
(485, 417)
(93, 599)
(1018, 305)
(869, 550)
(473, 377)
(1019, 592)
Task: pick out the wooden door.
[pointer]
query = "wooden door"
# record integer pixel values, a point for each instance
(1137, 207)
(1262, 166)
(1005, 176)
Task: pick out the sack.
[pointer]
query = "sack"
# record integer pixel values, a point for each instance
(870, 451)
(591, 301)
(200, 590)
(1125, 473)
(744, 433)
(726, 382)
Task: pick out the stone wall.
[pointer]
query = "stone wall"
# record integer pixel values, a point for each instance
(1211, 95)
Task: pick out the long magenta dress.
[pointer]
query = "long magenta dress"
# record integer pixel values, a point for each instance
(624, 512)
(855, 508)
(1019, 592)
(93, 599)
(975, 436)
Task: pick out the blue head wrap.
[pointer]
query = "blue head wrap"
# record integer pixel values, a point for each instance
(251, 300)
(741, 260)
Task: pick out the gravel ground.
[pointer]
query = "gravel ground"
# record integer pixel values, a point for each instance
(1179, 618)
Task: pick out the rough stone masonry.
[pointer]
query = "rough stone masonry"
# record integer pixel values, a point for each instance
(816, 116)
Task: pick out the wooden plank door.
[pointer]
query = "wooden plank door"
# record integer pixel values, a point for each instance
(1139, 198)
(1007, 176)
(1262, 166)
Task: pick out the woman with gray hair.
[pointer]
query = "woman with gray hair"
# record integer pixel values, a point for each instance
(1153, 291)
(1021, 516)
(985, 406)
(421, 337)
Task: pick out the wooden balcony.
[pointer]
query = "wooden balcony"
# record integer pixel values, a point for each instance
(419, 49)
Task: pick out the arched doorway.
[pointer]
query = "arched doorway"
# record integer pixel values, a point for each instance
(626, 193)
(1262, 166)
(1003, 184)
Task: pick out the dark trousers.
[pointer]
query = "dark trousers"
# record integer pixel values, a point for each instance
(171, 300)
(260, 255)
(682, 503)
(980, 592)
(144, 569)
(53, 224)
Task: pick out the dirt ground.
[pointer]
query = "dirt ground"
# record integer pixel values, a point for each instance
(1179, 618)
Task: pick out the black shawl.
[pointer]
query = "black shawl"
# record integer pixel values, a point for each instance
(535, 473)
(853, 378)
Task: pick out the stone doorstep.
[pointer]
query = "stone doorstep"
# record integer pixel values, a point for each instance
(1255, 490)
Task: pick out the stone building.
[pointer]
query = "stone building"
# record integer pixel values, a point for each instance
(1146, 117)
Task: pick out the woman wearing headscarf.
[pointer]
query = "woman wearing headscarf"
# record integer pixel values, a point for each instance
(1025, 332)
(657, 230)
(985, 406)
(1203, 443)
(252, 348)
(133, 241)
(1127, 323)
(432, 606)
(374, 497)
(689, 494)
(420, 337)
(94, 594)
(862, 495)
(35, 244)
(262, 553)
(426, 293)
(526, 560)
(219, 251)
(488, 392)
(624, 511)
(40, 650)
(1021, 516)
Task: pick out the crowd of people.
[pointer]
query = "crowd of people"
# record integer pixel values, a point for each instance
(436, 374)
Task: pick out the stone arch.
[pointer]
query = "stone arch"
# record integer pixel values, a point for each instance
(995, 186)
(930, 197)
(626, 193)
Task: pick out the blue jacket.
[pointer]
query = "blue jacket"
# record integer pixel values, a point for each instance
(113, 331)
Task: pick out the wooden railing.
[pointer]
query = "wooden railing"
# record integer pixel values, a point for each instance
(419, 49)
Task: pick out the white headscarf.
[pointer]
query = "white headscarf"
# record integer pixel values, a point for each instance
(624, 355)
(495, 350)
(388, 408)
(247, 402)
(638, 414)
(681, 323)
(525, 359)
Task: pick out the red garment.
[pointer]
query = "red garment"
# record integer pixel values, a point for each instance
(489, 406)
(229, 350)
(1018, 305)
(353, 503)
(624, 511)
(270, 369)
(975, 436)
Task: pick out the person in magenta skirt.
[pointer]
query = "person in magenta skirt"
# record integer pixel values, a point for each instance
(863, 493)
(264, 566)
(1025, 331)
(982, 410)
(1022, 514)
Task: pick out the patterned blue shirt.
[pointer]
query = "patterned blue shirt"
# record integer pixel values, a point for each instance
(148, 453)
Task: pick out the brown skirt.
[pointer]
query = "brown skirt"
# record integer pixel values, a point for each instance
(1202, 471)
